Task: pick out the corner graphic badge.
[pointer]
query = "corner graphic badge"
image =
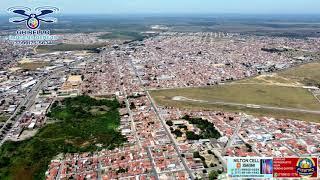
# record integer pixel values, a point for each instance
(306, 167)
(33, 19)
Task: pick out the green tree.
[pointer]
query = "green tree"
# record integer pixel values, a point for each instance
(177, 132)
(132, 105)
(169, 123)
(213, 175)
(192, 136)
(196, 154)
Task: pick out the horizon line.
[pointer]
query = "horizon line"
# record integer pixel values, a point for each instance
(183, 13)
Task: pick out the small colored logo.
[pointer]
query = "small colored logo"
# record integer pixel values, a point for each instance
(33, 19)
(33, 35)
(238, 165)
(306, 167)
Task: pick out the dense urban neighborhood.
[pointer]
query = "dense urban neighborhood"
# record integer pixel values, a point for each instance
(108, 112)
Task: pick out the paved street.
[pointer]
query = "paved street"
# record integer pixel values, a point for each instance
(164, 125)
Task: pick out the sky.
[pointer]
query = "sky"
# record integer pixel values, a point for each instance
(172, 6)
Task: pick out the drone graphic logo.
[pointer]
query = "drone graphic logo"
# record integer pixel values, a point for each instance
(33, 19)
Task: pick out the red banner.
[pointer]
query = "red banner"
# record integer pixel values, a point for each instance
(295, 167)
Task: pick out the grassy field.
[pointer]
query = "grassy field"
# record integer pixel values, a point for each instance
(269, 95)
(255, 112)
(33, 65)
(122, 36)
(68, 47)
(280, 90)
(308, 74)
(273, 79)
(78, 130)
(304, 75)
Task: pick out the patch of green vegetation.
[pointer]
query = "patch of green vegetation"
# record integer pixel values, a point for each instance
(250, 81)
(214, 175)
(269, 80)
(169, 123)
(192, 135)
(277, 79)
(274, 50)
(123, 35)
(259, 94)
(203, 159)
(98, 110)
(33, 65)
(177, 132)
(76, 130)
(182, 126)
(70, 47)
(237, 109)
(3, 118)
(208, 130)
(308, 74)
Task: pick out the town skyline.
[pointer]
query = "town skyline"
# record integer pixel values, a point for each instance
(175, 7)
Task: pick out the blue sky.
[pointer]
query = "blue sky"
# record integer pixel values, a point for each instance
(172, 6)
